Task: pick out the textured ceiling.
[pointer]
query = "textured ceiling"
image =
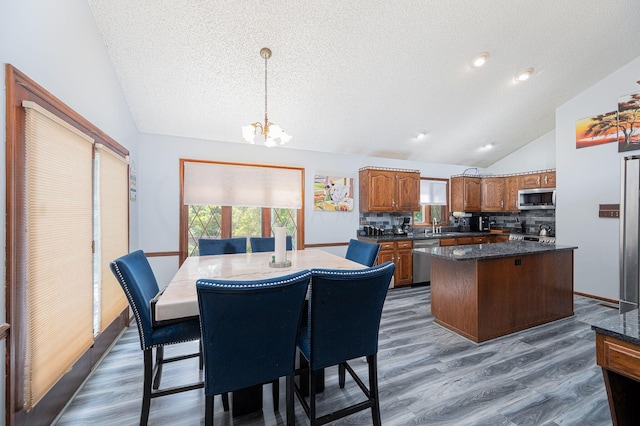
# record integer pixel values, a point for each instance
(364, 77)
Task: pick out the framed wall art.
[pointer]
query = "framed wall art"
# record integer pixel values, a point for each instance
(333, 193)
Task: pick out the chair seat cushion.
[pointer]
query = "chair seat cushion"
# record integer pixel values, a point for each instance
(182, 331)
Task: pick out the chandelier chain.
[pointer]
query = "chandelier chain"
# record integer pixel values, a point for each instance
(266, 58)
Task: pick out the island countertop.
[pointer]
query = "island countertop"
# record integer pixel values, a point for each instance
(491, 251)
(624, 326)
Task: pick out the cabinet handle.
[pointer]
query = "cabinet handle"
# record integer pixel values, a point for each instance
(545, 180)
(538, 180)
(502, 204)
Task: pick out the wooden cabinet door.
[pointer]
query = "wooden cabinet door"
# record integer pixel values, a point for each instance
(407, 197)
(530, 181)
(457, 194)
(376, 190)
(385, 256)
(472, 195)
(464, 241)
(492, 194)
(466, 194)
(404, 267)
(502, 238)
(548, 180)
(511, 185)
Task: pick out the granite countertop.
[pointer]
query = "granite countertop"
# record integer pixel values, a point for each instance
(624, 326)
(425, 236)
(491, 251)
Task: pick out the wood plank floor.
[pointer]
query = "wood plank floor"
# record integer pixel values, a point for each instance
(427, 376)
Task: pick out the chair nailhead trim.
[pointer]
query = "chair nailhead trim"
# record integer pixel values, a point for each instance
(134, 308)
(241, 284)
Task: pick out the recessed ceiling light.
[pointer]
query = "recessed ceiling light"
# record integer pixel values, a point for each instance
(480, 60)
(421, 135)
(524, 75)
(486, 147)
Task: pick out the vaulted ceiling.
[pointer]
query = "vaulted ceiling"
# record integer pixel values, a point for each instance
(365, 77)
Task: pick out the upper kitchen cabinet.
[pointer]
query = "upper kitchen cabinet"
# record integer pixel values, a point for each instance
(466, 194)
(389, 190)
(493, 191)
(538, 180)
(511, 186)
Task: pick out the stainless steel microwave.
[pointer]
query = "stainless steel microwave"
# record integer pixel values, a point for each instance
(538, 198)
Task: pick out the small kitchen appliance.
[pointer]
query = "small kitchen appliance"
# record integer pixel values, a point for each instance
(398, 229)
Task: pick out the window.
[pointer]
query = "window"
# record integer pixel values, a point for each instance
(224, 200)
(67, 195)
(434, 202)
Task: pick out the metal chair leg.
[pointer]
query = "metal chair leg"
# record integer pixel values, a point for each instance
(372, 360)
(275, 393)
(312, 397)
(208, 410)
(225, 401)
(341, 374)
(146, 387)
(291, 418)
(158, 367)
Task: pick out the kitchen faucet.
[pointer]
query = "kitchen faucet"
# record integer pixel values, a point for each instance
(433, 229)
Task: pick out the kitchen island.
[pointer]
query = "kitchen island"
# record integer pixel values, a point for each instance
(484, 291)
(617, 353)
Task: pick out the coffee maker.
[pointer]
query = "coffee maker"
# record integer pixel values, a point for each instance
(406, 225)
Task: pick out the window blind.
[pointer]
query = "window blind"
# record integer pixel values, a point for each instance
(58, 191)
(112, 241)
(433, 192)
(241, 185)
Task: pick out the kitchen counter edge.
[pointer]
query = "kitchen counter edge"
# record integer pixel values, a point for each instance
(491, 251)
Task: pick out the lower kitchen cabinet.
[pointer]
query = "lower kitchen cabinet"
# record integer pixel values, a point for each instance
(400, 253)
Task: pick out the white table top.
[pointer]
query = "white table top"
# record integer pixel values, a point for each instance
(180, 300)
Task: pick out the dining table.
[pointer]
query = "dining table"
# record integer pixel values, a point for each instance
(179, 298)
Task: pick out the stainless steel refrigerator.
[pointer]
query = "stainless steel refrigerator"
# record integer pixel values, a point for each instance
(629, 233)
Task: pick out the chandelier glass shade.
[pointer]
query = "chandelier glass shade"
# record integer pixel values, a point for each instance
(273, 134)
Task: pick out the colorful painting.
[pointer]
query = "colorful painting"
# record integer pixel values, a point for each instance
(629, 122)
(334, 194)
(597, 130)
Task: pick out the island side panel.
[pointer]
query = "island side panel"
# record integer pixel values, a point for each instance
(516, 293)
(454, 302)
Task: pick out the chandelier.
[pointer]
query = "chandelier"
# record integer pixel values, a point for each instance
(273, 134)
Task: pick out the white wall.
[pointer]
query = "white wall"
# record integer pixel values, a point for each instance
(539, 154)
(158, 188)
(57, 44)
(588, 177)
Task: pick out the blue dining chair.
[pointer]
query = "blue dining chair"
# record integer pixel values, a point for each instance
(249, 333)
(343, 321)
(362, 252)
(210, 246)
(134, 274)
(261, 244)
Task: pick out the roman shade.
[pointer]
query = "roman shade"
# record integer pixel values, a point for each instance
(225, 184)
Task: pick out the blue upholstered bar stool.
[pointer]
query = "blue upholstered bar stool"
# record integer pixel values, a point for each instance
(362, 252)
(249, 333)
(134, 274)
(343, 321)
(262, 244)
(211, 246)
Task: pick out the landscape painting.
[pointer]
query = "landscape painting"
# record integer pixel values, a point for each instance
(597, 130)
(629, 122)
(332, 193)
